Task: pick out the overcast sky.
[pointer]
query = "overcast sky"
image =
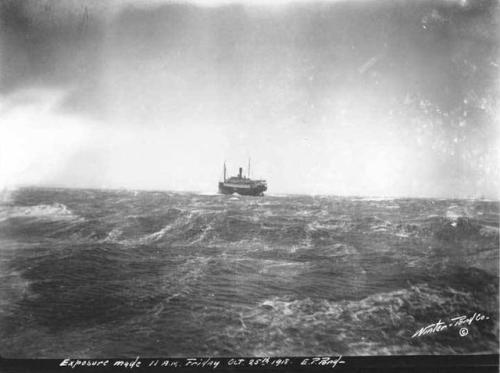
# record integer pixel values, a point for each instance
(378, 98)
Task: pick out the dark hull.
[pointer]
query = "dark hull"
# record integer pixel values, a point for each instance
(252, 191)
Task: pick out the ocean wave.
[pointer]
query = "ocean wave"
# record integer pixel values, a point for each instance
(182, 281)
(338, 250)
(458, 228)
(156, 236)
(446, 228)
(114, 235)
(339, 225)
(13, 285)
(296, 275)
(55, 211)
(489, 231)
(455, 212)
(391, 207)
(282, 268)
(372, 325)
(190, 227)
(373, 199)
(6, 196)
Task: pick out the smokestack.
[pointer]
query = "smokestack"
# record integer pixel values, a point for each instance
(241, 171)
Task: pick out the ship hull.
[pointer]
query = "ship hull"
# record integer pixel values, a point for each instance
(244, 191)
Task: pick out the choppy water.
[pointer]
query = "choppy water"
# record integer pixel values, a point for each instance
(87, 273)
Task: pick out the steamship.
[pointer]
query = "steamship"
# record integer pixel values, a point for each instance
(242, 185)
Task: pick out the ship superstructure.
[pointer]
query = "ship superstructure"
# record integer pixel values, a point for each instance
(243, 185)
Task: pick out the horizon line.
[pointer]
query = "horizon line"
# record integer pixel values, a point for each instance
(276, 194)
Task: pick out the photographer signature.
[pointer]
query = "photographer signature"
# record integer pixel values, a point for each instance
(455, 322)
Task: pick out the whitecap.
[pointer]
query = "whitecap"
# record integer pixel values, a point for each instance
(55, 211)
(455, 212)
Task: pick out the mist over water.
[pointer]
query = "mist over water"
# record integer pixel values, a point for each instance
(94, 273)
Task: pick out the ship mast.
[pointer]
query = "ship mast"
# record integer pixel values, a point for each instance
(248, 168)
(224, 171)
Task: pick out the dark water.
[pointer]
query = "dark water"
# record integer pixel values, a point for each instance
(88, 273)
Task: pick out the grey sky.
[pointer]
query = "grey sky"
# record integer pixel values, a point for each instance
(365, 97)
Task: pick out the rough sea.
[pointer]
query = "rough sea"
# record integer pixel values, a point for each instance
(100, 273)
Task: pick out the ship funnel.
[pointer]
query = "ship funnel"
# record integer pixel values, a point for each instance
(241, 172)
